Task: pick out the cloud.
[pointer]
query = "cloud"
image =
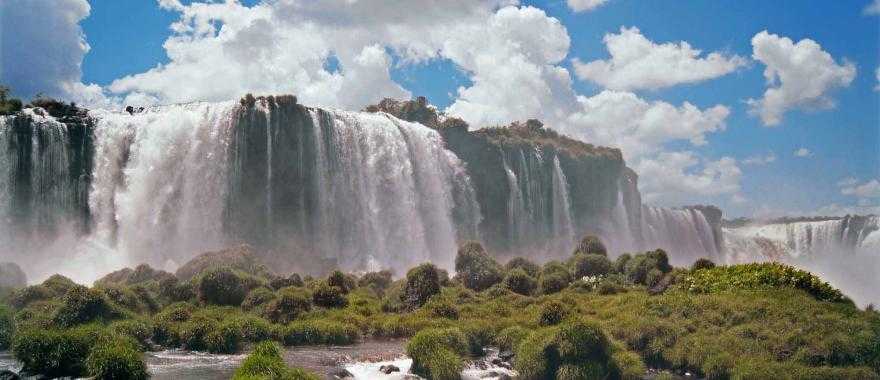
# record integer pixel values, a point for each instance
(42, 47)
(640, 127)
(283, 47)
(848, 181)
(638, 63)
(877, 75)
(799, 75)
(803, 152)
(760, 159)
(869, 189)
(872, 9)
(675, 177)
(585, 5)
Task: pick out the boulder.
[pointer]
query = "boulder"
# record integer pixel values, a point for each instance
(388, 369)
(11, 276)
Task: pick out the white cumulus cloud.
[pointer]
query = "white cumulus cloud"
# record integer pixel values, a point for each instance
(869, 189)
(799, 75)
(675, 177)
(803, 152)
(42, 47)
(760, 159)
(639, 63)
(872, 9)
(585, 5)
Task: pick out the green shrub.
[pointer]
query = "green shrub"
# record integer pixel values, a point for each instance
(266, 363)
(640, 266)
(6, 327)
(81, 305)
(290, 304)
(440, 308)
(342, 281)
(313, 332)
(479, 334)
(525, 264)
(221, 286)
(125, 298)
(23, 297)
(116, 358)
(53, 352)
(225, 339)
(437, 353)
(175, 290)
(620, 262)
(520, 282)
(590, 264)
(508, 339)
(138, 330)
(552, 313)
(591, 244)
(377, 280)
(328, 296)
(422, 282)
(278, 283)
(553, 282)
(258, 297)
(194, 333)
(59, 285)
(702, 263)
(475, 268)
(761, 276)
(252, 329)
(572, 350)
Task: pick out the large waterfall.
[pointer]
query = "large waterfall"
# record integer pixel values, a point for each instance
(685, 232)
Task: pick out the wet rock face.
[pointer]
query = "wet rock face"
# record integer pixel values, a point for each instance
(11, 276)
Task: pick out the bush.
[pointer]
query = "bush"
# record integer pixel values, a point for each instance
(116, 358)
(53, 352)
(319, 332)
(573, 350)
(59, 285)
(525, 264)
(266, 363)
(81, 305)
(620, 262)
(638, 268)
(328, 296)
(342, 281)
(175, 290)
(437, 353)
(377, 280)
(553, 282)
(124, 297)
(590, 264)
(140, 331)
(476, 269)
(25, 296)
(422, 282)
(702, 263)
(290, 304)
(221, 286)
(509, 338)
(552, 313)
(294, 279)
(520, 282)
(440, 308)
(6, 328)
(761, 276)
(591, 244)
(253, 329)
(258, 297)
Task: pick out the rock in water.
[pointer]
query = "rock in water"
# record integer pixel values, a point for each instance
(388, 369)
(11, 276)
(9, 375)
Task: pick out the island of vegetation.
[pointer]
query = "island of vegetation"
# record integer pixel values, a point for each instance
(588, 317)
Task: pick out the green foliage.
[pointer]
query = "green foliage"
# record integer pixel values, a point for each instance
(553, 282)
(572, 350)
(475, 268)
(116, 358)
(422, 282)
(761, 276)
(437, 353)
(258, 297)
(82, 305)
(638, 269)
(311, 332)
(441, 308)
(328, 296)
(552, 313)
(620, 262)
(7, 327)
(53, 352)
(25, 296)
(139, 330)
(59, 285)
(8, 105)
(509, 338)
(590, 264)
(344, 282)
(283, 282)
(377, 280)
(221, 286)
(702, 263)
(525, 264)
(591, 244)
(266, 363)
(520, 282)
(290, 304)
(174, 290)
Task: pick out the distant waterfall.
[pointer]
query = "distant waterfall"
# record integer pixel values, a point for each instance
(562, 221)
(773, 241)
(685, 233)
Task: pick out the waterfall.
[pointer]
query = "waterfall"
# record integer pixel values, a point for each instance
(516, 210)
(685, 233)
(773, 241)
(562, 222)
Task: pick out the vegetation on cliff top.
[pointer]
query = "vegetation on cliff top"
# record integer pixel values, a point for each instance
(587, 316)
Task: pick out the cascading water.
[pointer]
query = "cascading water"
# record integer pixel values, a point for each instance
(685, 233)
(562, 221)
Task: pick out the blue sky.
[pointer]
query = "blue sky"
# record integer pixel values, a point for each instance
(126, 38)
